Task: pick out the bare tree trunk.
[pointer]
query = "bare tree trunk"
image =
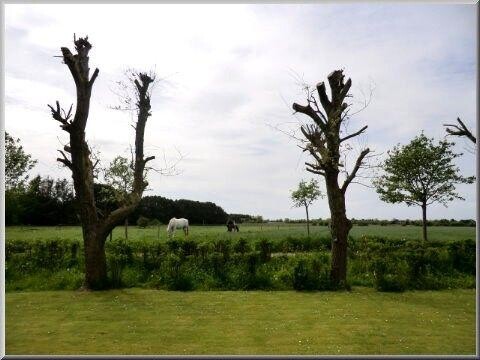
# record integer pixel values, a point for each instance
(96, 229)
(424, 221)
(324, 142)
(126, 228)
(339, 228)
(95, 262)
(308, 221)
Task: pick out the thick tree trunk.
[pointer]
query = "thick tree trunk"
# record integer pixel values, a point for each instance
(324, 144)
(308, 221)
(424, 221)
(96, 230)
(340, 227)
(95, 260)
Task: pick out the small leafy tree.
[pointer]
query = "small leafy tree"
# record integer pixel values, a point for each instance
(17, 163)
(305, 195)
(421, 173)
(119, 176)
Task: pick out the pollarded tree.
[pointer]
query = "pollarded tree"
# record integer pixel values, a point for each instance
(305, 195)
(96, 225)
(421, 173)
(324, 144)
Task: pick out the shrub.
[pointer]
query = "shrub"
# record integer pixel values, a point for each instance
(241, 246)
(118, 256)
(312, 273)
(143, 222)
(391, 274)
(265, 248)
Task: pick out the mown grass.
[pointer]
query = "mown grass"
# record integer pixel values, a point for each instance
(272, 232)
(136, 321)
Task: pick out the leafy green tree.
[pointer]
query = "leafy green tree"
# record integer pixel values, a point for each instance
(421, 173)
(17, 163)
(305, 195)
(119, 177)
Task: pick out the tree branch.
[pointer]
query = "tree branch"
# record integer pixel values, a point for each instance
(354, 134)
(316, 169)
(63, 119)
(322, 95)
(358, 163)
(461, 131)
(94, 76)
(309, 111)
(64, 160)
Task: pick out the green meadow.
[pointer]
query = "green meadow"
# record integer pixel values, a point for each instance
(248, 231)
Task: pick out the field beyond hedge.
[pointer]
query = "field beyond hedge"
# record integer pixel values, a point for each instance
(249, 231)
(136, 321)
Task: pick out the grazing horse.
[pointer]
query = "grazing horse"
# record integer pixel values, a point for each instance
(231, 226)
(175, 224)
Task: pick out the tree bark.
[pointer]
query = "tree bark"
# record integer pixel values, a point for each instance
(324, 145)
(308, 221)
(126, 228)
(424, 221)
(96, 276)
(339, 228)
(95, 229)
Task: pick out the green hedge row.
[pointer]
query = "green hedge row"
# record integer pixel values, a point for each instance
(295, 263)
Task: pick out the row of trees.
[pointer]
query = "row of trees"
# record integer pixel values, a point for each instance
(48, 202)
(419, 173)
(323, 140)
(163, 209)
(383, 222)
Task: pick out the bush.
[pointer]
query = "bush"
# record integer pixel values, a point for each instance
(176, 278)
(312, 273)
(143, 222)
(391, 274)
(388, 265)
(241, 246)
(118, 257)
(265, 248)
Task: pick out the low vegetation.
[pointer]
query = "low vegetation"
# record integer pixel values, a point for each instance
(243, 261)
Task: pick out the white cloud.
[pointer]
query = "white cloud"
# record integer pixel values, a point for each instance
(230, 73)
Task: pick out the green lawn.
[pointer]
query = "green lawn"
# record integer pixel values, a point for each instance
(138, 321)
(249, 231)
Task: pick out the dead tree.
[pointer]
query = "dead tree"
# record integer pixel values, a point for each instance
(323, 143)
(460, 130)
(95, 225)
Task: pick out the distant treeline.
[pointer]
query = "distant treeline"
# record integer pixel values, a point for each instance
(366, 222)
(46, 201)
(49, 202)
(163, 209)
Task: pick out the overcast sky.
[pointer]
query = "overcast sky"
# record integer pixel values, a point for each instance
(231, 75)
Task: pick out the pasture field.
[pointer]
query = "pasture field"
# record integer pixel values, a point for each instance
(137, 321)
(272, 232)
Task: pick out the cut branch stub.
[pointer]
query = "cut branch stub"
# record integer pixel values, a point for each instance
(322, 95)
(461, 130)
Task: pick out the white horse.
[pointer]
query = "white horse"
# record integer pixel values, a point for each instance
(175, 224)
